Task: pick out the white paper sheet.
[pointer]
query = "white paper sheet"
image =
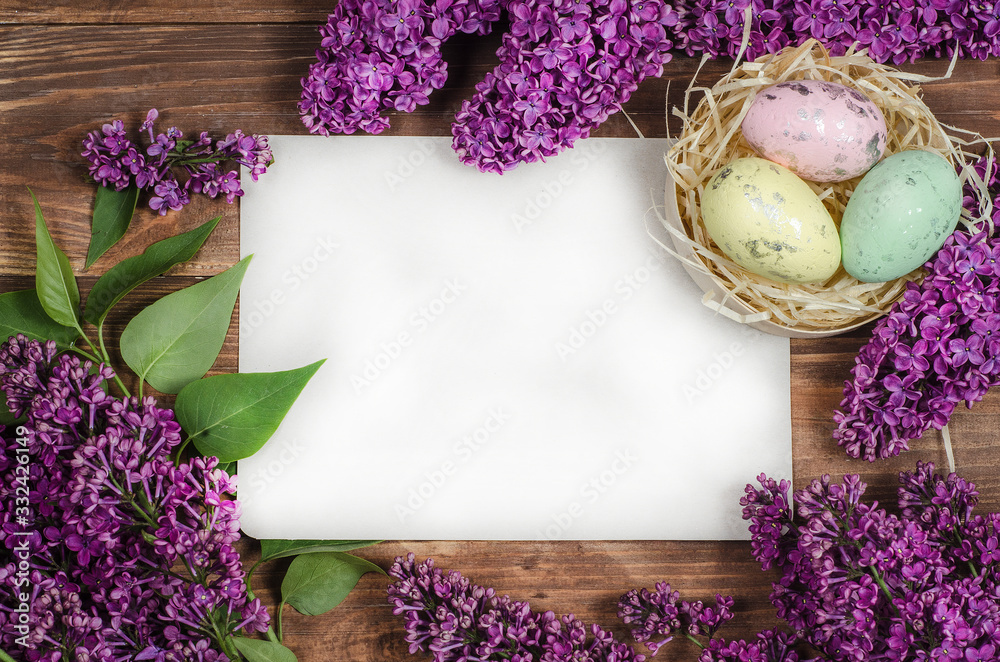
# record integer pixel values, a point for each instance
(508, 357)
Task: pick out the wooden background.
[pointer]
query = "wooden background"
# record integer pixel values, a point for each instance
(67, 66)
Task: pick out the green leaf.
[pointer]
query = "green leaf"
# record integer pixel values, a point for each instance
(277, 549)
(316, 583)
(134, 271)
(54, 281)
(21, 312)
(231, 416)
(113, 212)
(176, 340)
(259, 650)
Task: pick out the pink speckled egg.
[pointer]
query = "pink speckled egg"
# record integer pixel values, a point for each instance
(821, 131)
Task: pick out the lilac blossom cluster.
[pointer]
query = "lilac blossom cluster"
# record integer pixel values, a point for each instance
(170, 167)
(112, 551)
(657, 616)
(454, 620)
(939, 346)
(716, 27)
(565, 67)
(894, 32)
(860, 583)
(379, 55)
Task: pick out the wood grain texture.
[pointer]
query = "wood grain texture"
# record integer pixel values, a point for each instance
(118, 12)
(67, 67)
(583, 578)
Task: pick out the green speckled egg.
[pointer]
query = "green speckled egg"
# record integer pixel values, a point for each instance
(770, 222)
(899, 215)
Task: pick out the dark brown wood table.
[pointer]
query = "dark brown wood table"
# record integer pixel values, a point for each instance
(66, 67)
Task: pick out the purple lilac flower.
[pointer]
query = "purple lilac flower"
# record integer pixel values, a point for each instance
(769, 530)
(716, 27)
(134, 553)
(565, 67)
(379, 55)
(974, 25)
(449, 617)
(658, 616)
(938, 347)
(896, 32)
(769, 646)
(856, 583)
(860, 583)
(171, 167)
(891, 33)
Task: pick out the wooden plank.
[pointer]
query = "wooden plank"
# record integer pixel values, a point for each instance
(115, 12)
(819, 369)
(199, 81)
(583, 578)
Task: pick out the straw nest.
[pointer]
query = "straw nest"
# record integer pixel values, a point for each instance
(711, 138)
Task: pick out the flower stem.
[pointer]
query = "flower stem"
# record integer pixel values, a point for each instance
(224, 641)
(279, 631)
(87, 355)
(691, 637)
(949, 453)
(271, 634)
(214, 158)
(5, 658)
(180, 453)
(882, 585)
(100, 339)
(103, 358)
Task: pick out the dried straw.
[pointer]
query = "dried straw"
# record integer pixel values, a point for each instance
(711, 138)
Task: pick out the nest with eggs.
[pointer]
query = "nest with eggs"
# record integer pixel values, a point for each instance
(711, 138)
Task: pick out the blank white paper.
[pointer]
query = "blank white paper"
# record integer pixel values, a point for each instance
(507, 357)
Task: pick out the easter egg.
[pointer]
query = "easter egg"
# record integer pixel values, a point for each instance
(899, 215)
(821, 131)
(770, 222)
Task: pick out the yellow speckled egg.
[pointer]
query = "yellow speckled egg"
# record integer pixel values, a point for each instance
(770, 222)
